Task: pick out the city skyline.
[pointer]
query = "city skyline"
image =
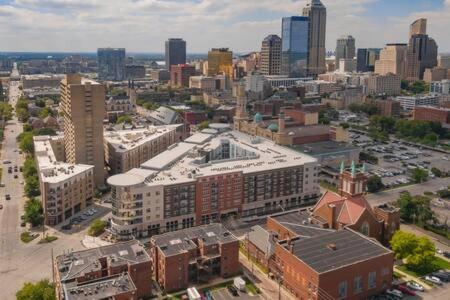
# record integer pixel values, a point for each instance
(83, 26)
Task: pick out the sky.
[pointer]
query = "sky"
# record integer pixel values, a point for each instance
(241, 25)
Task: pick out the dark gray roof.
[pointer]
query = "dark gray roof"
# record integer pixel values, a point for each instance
(350, 248)
(299, 223)
(164, 115)
(262, 239)
(75, 264)
(176, 242)
(104, 288)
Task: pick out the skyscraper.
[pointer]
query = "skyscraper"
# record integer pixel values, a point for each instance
(83, 107)
(317, 14)
(175, 52)
(294, 57)
(220, 61)
(345, 48)
(111, 64)
(392, 60)
(422, 51)
(366, 58)
(271, 55)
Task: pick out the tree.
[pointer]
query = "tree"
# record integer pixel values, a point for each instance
(34, 212)
(419, 175)
(22, 114)
(32, 186)
(374, 184)
(45, 112)
(42, 290)
(415, 209)
(29, 167)
(44, 131)
(5, 111)
(203, 125)
(26, 143)
(345, 125)
(124, 119)
(436, 172)
(418, 252)
(97, 227)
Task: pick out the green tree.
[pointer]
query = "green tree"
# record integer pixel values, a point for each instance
(415, 209)
(34, 214)
(345, 125)
(40, 102)
(22, 114)
(44, 131)
(26, 143)
(374, 184)
(418, 252)
(45, 112)
(32, 186)
(29, 167)
(124, 119)
(203, 125)
(97, 227)
(5, 111)
(419, 175)
(436, 172)
(41, 290)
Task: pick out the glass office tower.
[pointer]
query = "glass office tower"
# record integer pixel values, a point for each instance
(295, 46)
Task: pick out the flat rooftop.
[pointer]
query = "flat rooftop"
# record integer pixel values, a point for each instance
(51, 170)
(334, 250)
(105, 288)
(222, 153)
(74, 264)
(176, 242)
(124, 140)
(324, 148)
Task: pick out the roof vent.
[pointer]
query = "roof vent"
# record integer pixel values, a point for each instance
(332, 247)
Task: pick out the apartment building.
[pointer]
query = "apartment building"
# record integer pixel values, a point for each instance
(207, 176)
(388, 84)
(182, 258)
(431, 113)
(204, 83)
(83, 108)
(66, 188)
(409, 102)
(128, 149)
(180, 74)
(119, 271)
(440, 87)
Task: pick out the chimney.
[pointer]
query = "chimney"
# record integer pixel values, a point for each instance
(332, 247)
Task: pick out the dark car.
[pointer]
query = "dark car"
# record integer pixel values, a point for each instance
(23, 224)
(8, 197)
(66, 227)
(446, 254)
(15, 176)
(442, 276)
(233, 291)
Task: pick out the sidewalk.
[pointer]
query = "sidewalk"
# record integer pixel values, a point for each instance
(93, 242)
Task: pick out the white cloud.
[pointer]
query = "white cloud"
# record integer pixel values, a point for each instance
(144, 25)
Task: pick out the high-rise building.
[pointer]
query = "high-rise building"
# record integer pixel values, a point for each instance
(83, 107)
(444, 61)
(180, 74)
(366, 58)
(111, 64)
(422, 51)
(220, 61)
(392, 60)
(175, 52)
(294, 57)
(345, 49)
(317, 14)
(271, 55)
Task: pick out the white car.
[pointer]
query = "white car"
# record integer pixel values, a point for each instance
(415, 286)
(394, 292)
(433, 279)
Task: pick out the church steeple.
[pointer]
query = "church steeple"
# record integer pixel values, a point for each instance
(352, 182)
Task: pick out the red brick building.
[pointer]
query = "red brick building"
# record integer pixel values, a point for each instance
(118, 271)
(180, 74)
(431, 113)
(193, 255)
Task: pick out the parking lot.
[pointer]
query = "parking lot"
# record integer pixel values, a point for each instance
(396, 159)
(224, 294)
(82, 219)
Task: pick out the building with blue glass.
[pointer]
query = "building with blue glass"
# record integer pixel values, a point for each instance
(294, 57)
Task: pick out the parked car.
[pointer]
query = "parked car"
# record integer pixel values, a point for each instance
(66, 227)
(395, 293)
(1, 206)
(23, 224)
(406, 290)
(2, 184)
(433, 279)
(232, 290)
(8, 197)
(415, 286)
(446, 254)
(442, 276)
(15, 176)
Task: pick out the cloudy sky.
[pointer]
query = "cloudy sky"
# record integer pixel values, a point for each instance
(144, 25)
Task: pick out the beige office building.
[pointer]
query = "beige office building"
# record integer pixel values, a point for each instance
(419, 26)
(271, 55)
(444, 61)
(83, 107)
(317, 14)
(392, 60)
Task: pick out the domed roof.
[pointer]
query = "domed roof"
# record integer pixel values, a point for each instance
(257, 118)
(273, 127)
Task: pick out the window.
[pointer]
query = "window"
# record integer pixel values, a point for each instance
(357, 285)
(365, 229)
(343, 290)
(372, 283)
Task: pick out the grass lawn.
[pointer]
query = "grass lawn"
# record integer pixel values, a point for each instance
(438, 264)
(48, 239)
(26, 237)
(251, 287)
(328, 186)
